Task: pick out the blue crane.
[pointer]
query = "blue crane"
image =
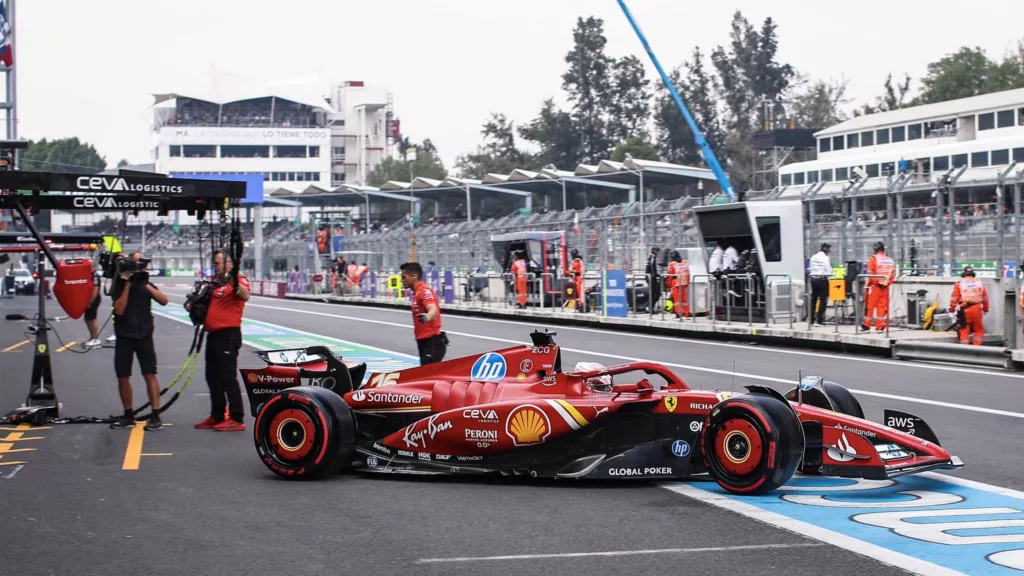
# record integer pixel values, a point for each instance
(706, 152)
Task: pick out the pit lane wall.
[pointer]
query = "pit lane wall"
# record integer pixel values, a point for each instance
(485, 295)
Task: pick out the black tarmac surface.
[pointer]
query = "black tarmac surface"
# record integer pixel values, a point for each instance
(211, 506)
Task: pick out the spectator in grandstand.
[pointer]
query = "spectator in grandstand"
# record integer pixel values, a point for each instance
(970, 302)
(820, 271)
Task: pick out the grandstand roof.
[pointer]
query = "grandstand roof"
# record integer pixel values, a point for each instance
(221, 87)
(948, 109)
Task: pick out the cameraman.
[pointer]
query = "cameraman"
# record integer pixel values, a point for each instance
(133, 325)
(91, 314)
(223, 341)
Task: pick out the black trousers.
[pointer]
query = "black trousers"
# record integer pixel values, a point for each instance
(819, 293)
(432, 349)
(222, 349)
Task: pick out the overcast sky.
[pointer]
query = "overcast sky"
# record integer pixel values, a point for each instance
(86, 69)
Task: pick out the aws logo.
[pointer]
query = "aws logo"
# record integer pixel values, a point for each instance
(527, 425)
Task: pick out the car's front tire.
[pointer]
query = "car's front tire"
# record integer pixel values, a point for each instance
(752, 444)
(305, 432)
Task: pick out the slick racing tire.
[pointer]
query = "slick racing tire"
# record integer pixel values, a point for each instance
(305, 432)
(752, 444)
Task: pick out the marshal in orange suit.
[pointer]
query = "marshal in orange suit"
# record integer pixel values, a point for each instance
(877, 296)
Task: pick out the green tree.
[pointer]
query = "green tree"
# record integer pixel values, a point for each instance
(969, 72)
(819, 104)
(427, 165)
(892, 98)
(675, 141)
(636, 147)
(587, 83)
(498, 153)
(630, 103)
(557, 136)
(62, 155)
(752, 83)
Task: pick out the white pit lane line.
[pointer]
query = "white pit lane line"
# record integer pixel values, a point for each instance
(910, 399)
(619, 553)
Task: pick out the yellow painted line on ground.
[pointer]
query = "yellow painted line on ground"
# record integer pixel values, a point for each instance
(12, 438)
(25, 427)
(10, 463)
(160, 454)
(22, 343)
(6, 447)
(66, 346)
(133, 453)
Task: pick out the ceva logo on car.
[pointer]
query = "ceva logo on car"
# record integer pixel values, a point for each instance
(490, 367)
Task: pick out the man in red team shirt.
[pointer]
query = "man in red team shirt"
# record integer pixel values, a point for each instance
(223, 341)
(426, 315)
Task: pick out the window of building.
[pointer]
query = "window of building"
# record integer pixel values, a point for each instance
(979, 159)
(175, 151)
(852, 140)
(825, 145)
(888, 168)
(959, 160)
(245, 151)
(290, 151)
(940, 128)
(1000, 157)
(882, 136)
(899, 133)
(838, 142)
(826, 175)
(842, 173)
(769, 228)
(199, 151)
(812, 177)
(867, 138)
(986, 121)
(1004, 118)
(1020, 117)
(914, 132)
(338, 177)
(314, 151)
(872, 170)
(1018, 154)
(798, 178)
(940, 163)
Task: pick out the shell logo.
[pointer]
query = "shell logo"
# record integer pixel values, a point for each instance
(252, 377)
(527, 425)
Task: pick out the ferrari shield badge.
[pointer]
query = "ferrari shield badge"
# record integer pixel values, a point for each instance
(671, 402)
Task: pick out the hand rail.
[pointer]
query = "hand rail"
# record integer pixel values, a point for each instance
(710, 293)
(767, 287)
(747, 281)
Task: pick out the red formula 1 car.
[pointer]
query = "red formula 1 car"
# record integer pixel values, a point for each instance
(516, 412)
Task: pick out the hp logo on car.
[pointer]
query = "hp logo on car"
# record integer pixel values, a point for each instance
(489, 368)
(680, 448)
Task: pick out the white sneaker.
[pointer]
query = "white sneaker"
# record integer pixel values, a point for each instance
(112, 338)
(94, 343)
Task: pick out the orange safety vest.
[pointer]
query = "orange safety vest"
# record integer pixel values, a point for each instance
(678, 273)
(519, 268)
(969, 291)
(882, 265)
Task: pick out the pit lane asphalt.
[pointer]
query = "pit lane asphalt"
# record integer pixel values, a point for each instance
(212, 506)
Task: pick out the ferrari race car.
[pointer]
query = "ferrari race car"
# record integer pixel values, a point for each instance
(516, 412)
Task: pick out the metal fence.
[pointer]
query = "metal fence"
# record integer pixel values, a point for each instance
(979, 225)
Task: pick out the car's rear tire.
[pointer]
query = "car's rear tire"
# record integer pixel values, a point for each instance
(305, 432)
(752, 444)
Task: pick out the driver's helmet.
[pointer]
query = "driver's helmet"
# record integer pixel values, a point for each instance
(599, 383)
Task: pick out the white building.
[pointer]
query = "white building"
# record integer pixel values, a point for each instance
(984, 133)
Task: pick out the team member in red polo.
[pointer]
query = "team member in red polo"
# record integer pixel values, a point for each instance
(223, 341)
(426, 315)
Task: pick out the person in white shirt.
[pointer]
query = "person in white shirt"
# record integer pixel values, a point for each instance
(821, 270)
(715, 265)
(730, 258)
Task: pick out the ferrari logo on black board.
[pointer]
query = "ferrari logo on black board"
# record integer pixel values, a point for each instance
(670, 403)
